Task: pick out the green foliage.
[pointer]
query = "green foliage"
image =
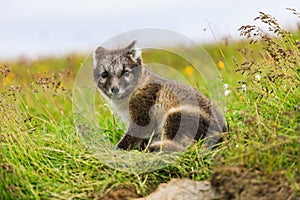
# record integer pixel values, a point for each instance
(42, 156)
(264, 112)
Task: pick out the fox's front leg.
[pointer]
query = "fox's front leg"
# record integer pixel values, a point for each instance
(142, 110)
(128, 142)
(135, 137)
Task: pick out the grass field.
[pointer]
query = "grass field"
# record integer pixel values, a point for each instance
(42, 157)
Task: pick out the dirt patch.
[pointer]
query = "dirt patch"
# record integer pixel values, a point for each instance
(232, 183)
(242, 183)
(121, 193)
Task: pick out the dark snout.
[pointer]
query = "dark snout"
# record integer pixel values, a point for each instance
(115, 90)
(114, 85)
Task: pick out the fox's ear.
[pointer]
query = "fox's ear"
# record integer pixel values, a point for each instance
(99, 53)
(134, 52)
(132, 45)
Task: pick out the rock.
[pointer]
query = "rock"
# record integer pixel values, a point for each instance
(182, 189)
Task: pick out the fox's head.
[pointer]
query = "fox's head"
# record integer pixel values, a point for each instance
(117, 72)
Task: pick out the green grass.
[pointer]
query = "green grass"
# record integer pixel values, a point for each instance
(43, 157)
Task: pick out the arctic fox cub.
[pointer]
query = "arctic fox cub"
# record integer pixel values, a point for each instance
(162, 114)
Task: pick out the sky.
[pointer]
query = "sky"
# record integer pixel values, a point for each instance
(35, 28)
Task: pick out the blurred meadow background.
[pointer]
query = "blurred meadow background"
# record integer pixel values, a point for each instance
(43, 44)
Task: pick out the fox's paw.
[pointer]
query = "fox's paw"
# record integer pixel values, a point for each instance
(166, 146)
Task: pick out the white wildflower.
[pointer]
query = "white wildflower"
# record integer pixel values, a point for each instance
(227, 92)
(244, 88)
(225, 86)
(257, 77)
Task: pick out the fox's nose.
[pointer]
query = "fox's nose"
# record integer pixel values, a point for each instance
(115, 90)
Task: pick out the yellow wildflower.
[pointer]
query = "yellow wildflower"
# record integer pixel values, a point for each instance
(241, 96)
(8, 79)
(220, 65)
(188, 70)
(42, 68)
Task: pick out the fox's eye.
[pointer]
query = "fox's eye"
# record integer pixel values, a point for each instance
(104, 74)
(125, 73)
